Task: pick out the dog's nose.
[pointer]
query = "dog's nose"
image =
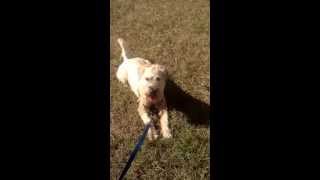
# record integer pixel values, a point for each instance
(152, 90)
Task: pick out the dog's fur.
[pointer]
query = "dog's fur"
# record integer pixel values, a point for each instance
(147, 81)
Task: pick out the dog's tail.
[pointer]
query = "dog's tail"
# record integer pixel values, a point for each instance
(123, 52)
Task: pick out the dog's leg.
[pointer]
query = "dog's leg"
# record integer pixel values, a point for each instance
(136, 92)
(163, 113)
(146, 119)
(122, 75)
(164, 124)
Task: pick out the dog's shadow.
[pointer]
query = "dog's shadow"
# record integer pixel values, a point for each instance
(196, 111)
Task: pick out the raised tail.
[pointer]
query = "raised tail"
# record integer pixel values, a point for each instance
(123, 52)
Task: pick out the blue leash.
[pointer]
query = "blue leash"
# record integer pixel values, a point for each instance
(134, 152)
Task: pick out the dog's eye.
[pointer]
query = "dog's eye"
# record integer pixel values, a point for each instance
(158, 79)
(147, 79)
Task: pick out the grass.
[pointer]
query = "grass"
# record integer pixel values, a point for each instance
(176, 34)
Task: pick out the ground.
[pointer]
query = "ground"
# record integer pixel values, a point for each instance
(175, 34)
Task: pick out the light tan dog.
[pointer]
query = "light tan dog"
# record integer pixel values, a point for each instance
(147, 81)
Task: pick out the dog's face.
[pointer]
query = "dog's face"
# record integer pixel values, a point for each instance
(152, 82)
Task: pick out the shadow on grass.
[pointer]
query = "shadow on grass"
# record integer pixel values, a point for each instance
(197, 112)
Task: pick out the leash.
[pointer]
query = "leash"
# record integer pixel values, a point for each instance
(134, 152)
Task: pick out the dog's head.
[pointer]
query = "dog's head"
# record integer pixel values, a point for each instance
(152, 82)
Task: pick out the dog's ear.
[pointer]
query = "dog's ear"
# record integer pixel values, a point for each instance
(164, 70)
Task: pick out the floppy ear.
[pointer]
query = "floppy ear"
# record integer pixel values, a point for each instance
(164, 70)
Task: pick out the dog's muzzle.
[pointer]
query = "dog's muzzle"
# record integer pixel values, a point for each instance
(152, 96)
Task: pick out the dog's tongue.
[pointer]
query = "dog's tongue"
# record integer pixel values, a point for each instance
(152, 97)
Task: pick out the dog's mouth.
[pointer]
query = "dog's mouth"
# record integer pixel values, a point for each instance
(152, 97)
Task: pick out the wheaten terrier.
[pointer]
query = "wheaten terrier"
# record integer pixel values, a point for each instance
(147, 81)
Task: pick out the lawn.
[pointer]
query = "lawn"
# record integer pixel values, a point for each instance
(176, 34)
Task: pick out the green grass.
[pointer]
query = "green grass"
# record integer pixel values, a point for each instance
(176, 34)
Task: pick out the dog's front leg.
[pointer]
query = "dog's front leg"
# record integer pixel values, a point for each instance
(163, 113)
(146, 119)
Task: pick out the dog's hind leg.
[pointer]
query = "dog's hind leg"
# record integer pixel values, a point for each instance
(122, 75)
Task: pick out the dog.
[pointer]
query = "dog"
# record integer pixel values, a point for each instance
(147, 81)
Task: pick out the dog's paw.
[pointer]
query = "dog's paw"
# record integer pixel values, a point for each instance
(149, 136)
(155, 136)
(167, 135)
(152, 137)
